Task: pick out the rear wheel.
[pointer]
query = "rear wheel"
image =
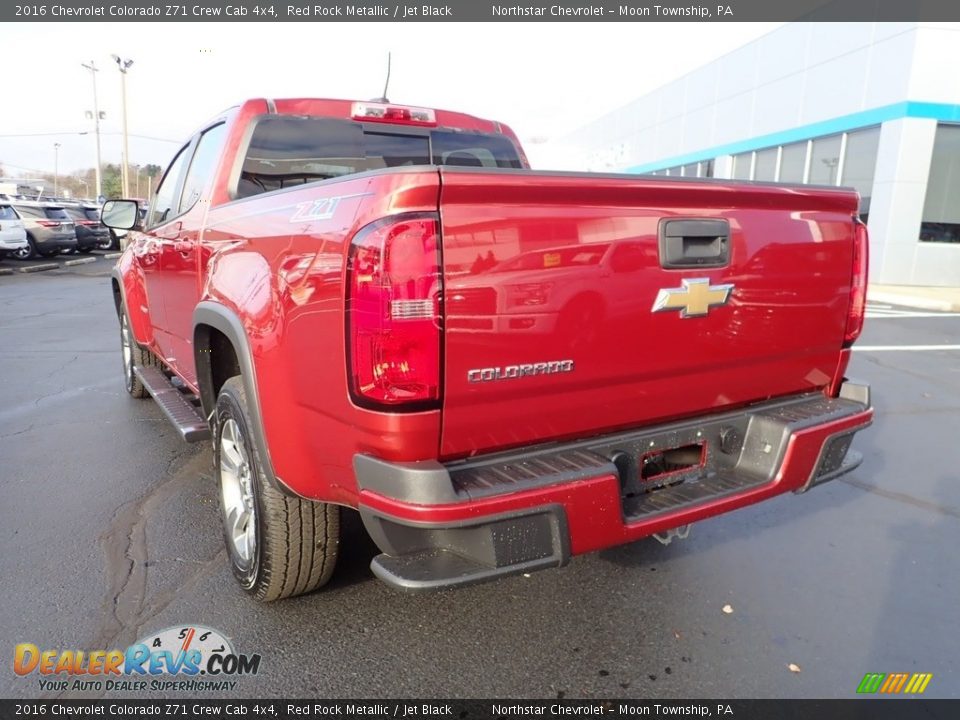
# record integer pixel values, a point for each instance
(26, 252)
(279, 546)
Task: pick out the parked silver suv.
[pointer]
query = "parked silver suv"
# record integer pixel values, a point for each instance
(50, 229)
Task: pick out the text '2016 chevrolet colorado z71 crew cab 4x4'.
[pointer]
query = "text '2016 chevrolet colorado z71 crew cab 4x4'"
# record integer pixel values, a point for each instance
(382, 307)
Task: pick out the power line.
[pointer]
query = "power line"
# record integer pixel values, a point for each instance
(147, 137)
(21, 167)
(46, 134)
(86, 132)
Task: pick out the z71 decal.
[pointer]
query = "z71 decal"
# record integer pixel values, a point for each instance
(320, 209)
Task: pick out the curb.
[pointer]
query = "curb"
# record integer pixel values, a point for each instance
(80, 261)
(6, 271)
(39, 268)
(112, 256)
(916, 301)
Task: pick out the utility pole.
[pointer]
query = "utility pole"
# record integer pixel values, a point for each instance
(56, 169)
(96, 123)
(123, 66)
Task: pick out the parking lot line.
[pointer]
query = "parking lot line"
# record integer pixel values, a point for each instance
(886, 348)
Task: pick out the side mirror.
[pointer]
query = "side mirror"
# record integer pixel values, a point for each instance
(120, 214)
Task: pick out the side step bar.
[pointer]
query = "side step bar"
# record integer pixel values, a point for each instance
(186, 418)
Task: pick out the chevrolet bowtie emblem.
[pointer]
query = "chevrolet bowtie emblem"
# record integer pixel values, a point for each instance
(693, 299)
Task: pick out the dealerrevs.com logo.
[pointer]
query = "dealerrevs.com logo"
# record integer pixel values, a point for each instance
(191, 658)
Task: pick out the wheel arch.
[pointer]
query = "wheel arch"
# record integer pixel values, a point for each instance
(220, 347)
(128, 292)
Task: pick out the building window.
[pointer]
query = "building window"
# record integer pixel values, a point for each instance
(941, 211)
(765, 167)
(706, 169)
(859, 164)
(792, 159)
(690, 170)
(825, 160)
(741, 166)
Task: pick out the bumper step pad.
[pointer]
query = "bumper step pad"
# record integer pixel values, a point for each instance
(176, 405)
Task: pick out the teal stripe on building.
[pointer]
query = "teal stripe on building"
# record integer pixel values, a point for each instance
(865, 118)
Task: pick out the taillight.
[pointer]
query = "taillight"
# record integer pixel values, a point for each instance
(48, 223)
(393, 313)
(858, 284)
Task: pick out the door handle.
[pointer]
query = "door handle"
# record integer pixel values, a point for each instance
(694, 243)
(183, 246)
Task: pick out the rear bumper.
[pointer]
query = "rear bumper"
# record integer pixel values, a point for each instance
(447, 525)
(56, 242)
(92, 240)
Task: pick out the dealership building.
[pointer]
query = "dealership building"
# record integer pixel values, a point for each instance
(875, 106)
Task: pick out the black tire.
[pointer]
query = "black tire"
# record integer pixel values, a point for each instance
(295, 541)
(85, 250)
(138, 356)
(28, 252)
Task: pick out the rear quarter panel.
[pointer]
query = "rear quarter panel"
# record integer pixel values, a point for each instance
(278, 262)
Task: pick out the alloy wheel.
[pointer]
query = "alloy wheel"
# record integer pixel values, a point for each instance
(236, 494)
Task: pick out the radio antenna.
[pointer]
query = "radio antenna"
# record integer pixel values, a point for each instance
(387, 83)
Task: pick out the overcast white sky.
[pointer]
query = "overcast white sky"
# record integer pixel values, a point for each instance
(542, 79)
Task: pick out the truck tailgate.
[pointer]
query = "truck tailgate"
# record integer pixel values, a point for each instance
(561, 319)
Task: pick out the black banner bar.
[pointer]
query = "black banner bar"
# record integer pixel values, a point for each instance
(865, 709)
(480, 11)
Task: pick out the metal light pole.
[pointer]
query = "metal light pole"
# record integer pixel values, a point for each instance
(56, 169)
(123, 66)
(96, 121)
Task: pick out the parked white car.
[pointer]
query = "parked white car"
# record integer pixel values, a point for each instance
(13, 236)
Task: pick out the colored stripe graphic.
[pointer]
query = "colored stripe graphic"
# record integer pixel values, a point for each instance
(918, 683)
(870, 683)
(895, 683)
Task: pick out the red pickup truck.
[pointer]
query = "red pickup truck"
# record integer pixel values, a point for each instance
(382, 307)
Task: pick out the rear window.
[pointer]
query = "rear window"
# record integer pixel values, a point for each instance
(7, 213)
(289, 150)
(56, 213)
(76, 213)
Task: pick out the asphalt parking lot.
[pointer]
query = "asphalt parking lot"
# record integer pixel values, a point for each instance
(110, 531)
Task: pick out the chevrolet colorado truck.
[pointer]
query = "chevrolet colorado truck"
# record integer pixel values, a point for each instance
(381, 307)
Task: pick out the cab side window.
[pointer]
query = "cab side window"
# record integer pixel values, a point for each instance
(202, 166)
(165, 202)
